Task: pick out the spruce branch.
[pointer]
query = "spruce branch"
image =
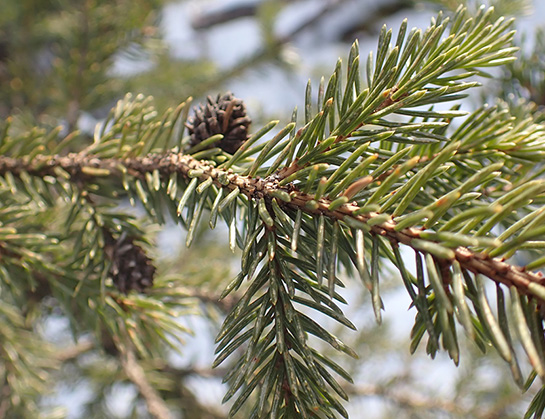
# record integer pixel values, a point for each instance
(374, 169)
(81, 166)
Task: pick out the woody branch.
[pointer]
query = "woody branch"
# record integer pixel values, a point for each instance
(87, 166)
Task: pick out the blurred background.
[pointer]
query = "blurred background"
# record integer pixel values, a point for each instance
(67, 62)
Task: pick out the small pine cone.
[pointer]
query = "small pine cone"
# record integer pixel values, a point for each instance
(131, 268)
(225, 115)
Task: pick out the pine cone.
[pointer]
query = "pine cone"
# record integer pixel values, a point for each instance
(225, 115)
(131, 268)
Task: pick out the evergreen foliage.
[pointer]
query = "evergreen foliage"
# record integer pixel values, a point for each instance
(387, 167)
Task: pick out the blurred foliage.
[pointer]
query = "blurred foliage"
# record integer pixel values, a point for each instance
(525, 78)
(56, 56)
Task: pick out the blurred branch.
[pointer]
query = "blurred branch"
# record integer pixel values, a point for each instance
(156, 406)
(499, 409)
(329, 7)
(269, 51)
(371, 22)
(217, 17)
(192, 408)
(201, 372)
(73, 352)
(409, 399)
(207, 19)
(404, 399)
(190, 405)
(209, 297)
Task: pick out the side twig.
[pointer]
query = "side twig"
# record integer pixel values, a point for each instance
(156, 406)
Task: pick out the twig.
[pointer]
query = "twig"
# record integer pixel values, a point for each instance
(156, 406)
(209, 297)
(74, 351)
(404, 399)
(201, 372)
(409, 399)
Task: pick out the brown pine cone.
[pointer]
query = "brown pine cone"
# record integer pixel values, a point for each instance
(131, 268)
(224, 115)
